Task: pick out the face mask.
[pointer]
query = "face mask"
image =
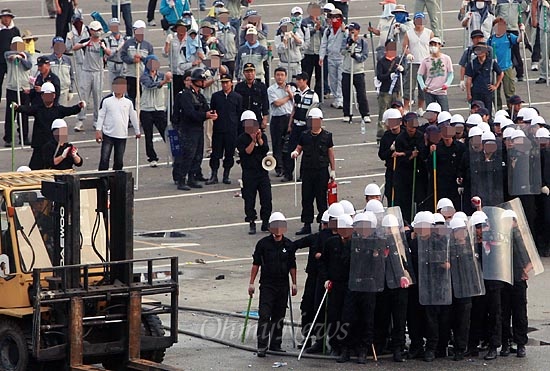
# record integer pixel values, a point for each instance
(336, 24)
(480, 4)
(29, 47)
(434, 49)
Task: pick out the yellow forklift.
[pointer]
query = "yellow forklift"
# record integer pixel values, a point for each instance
(71, 294)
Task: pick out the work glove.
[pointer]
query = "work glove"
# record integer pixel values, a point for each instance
(328, 285)
(405, 282)
(410, 57)
(545, 190)
(65, 152)
(392, 147)
(294, 154)
(333, 174)
(251, 289)
(400, 68)
(462, 85)
(460, 190)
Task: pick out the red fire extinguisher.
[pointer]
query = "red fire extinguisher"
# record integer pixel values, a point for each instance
(332, 192)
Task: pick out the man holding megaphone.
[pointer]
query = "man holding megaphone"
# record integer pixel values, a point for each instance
(318, 153)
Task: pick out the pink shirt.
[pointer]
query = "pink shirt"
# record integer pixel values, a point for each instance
(435, 72)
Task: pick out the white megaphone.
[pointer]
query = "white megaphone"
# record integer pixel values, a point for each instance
(269, 162)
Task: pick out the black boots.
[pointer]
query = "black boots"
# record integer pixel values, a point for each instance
(213, 177)
(252, 229)
(191, 182)
(306, 229)
(226, 179)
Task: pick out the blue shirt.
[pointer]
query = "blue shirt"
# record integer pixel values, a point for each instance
(502, 48)
(481, 74)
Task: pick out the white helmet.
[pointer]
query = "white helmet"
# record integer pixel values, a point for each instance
(443, 116)
(139, 24)
(315, 113)
(344, 221)
(518, 134)
(391, 113)
(390, 221)
(529, 114)
(349, 209)
(504, 123)
(478, 217)
(543, 133)
(507, 133)
(461, 215)
(277, 216)
(423, 217)
(456, 223)
(457, 119)
(23, 169)
(95, 26)
(484, 126)
(59, 123)
(439, 218)
(434, 107)
(366, 216)
(248, 115)
(372, 190)
(474, 119)
(335, 210)
(47, 87)
(325, 218)
(444, 202)
(487, 135)
(475, 131)
(509, 214)
(502, 113)
(375, 206)
(538, 120)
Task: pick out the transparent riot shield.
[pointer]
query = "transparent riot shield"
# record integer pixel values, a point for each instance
(466, 273)
(524, 250)
(366, 273)
(524, 167)
(434, 274)
(496, 248)
(398, 260)
(486, 172)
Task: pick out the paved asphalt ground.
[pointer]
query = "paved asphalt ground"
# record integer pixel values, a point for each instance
(213, 220)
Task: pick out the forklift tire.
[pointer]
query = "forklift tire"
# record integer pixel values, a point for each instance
(14, 354)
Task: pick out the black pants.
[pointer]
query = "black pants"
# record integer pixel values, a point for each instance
(459, 321)
(360, 90)
(529, 203)
(335, 305)
(278, 128)
(314, 188)
(391, 308)
(151, 7)
(11, 97)
(63, 20)
(437, 318)
(150, 119)
(415, 319)
(271, 312)
(307, 306)
(192, 148)
(535, 44)
(256, 182)
(388, 177)
(288, 162)
(231, 67)
(516, 57)
(514, 306)
(358, 319)
(131, 88)
(486, 317)
(310, 63)
(223, 146)
(107, 146)
(126, 12)
(37, 161)
(3, 71)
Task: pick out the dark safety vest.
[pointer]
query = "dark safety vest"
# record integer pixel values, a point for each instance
(302, 103)
(315, 150)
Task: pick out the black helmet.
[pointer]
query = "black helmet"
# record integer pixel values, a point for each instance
(198, 75)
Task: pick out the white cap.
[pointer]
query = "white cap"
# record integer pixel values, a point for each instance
(502, 113)
(436, 40)
(315, 113)
(461, 215)
(529, 114)
(95, 26)
(443, 116)
(296, 9)
(375, 206)
(59, 123)
(372, 190)
(457, 118)
(439, 218)
(329, 7)
(538, 120)
(23, 169)
(488, 136)
(335, 210)
(423, 217)
(456, 223)
(474, 132)
(474, 119)
(349, 209)
(277, 216)
(484, 126)
(434, 106)
(139, 24)
(284, 20)
(444, 202)
(478, 217)
(325, 218)
(509, 214)
(507, 133)
(367, 216)
(47, 87)
(517, 134)
(391, 113)
(344, 221)
(505, 122)
(248, 115)
(542, 133)
(390, 221)
(252, 31)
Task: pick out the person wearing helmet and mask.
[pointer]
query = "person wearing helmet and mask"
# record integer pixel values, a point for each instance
(58, 153)
(274, 257)
(331, 46)
(318, 154)
(372, 192)
(289, 45)
(79, 31)
(44, 115)
(133, 53)
(253, 147)
(386, 151)
(190, 111)
(115, 41)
